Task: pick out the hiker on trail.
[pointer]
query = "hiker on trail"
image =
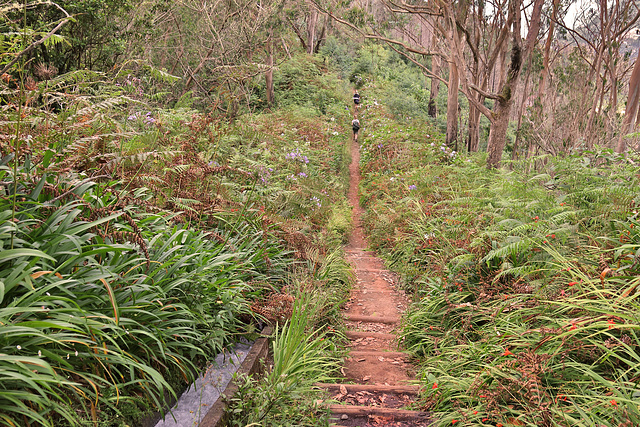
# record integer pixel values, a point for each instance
(355, 124)
(356, 98)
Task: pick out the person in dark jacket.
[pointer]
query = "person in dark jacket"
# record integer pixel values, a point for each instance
(355, 124)
(356, 98)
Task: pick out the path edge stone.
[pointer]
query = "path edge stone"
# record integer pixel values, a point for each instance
(216, 415)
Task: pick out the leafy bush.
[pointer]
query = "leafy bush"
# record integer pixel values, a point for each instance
(110, 306)
(301, 358)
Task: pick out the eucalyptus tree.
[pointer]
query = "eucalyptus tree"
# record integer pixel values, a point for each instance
(309, 24)
(492, 33)
(632, 113)
(598, 36)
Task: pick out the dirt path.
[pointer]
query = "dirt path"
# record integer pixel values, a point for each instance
(377, 376)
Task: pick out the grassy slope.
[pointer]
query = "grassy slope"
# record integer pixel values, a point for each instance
(525, 308)
(115, 290)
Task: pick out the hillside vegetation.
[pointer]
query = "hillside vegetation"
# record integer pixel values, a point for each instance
(138, 242)
(525, 278)
(173, 176)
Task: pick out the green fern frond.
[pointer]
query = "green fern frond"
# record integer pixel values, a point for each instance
(524, 229)
(106, 104)
(178, 169)
(156, 73)
(78, 76)
(514, 247)
(184, 204)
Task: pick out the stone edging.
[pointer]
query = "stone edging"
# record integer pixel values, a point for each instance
(217, 416)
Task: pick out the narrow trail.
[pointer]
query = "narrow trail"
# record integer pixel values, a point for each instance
(377, 376)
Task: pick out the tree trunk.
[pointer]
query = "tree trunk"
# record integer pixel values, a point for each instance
(502, 106)
(473, 141)
(452, 106)
(435, 86)
(516, 144)
(631, 112)
(605, 31)
(435, 83)
(544, 80)
(498, 132)
(270, 91)
(312, 23)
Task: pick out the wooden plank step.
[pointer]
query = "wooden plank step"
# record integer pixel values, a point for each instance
(377, 335)
(370, 319)
(383, 353)
(354, 388)
(364, 411)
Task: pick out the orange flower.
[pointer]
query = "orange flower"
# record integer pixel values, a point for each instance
(435, 386)
(454, 421)
(507, 353)
(613, 402)
(573, 283)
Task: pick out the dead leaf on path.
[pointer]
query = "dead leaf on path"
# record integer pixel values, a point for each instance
(367, 378)
(343, 389)
(380, 358)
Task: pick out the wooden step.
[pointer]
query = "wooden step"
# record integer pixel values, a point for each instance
(370, 319)
(373, 353)
(377, 335)
(365, 411)
(354, 388)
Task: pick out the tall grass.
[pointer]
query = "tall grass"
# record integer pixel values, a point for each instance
(524, 279)
(94, 311)
(302, 356)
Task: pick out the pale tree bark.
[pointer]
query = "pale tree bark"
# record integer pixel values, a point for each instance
(268, 76)
(632, 113)
(435, 83)
(502, 108)
(544, 78)
(479, 79)
(312, 24)
(605, 29)
(455, 25)
(523, 102)
(452, 106)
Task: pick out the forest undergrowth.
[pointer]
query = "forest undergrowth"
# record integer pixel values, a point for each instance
(137, 241)
(525, 278)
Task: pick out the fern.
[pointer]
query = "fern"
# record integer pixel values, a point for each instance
(178, 169)
(512, 249)
(106, 104)
(184, 204)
